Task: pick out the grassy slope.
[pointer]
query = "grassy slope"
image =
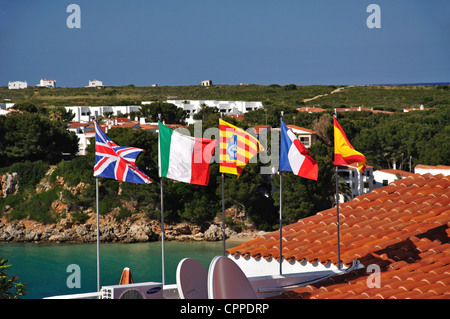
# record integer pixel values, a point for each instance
(382, 97)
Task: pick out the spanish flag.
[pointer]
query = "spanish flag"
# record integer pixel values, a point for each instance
(237, 147)
(344, 152)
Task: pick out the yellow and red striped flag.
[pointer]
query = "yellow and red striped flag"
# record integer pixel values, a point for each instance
(344, 152)
(237, 147)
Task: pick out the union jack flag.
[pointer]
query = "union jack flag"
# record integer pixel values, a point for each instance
(116, 162)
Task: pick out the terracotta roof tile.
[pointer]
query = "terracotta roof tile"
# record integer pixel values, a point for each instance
(403, 227)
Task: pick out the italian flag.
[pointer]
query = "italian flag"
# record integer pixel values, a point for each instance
(184, 158)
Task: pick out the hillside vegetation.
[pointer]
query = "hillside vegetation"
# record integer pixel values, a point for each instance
(52, 187)
(393, 97)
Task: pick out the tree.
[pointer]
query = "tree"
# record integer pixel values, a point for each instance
(305, 197)
(34, 137)
(10, 288)
(170, 113)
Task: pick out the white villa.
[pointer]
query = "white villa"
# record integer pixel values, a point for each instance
(87, 113)
(359, 183)
(226, 107)
(433, 170)
(14, 85)
(48, 83)
(95, 83)
(384, 177)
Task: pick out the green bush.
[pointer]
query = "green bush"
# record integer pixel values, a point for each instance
(10, 288)
(30, 173)
(37, 208)
(79, 169)
(79, 217)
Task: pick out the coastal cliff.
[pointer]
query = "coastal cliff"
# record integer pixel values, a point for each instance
(73, 225)
(131, 230)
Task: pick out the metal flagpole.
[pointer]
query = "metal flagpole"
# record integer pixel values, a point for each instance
(98, 236)
(223, 212)
(281, 213)
(162, 232)
(223, 204)
(162, 214)
(337, 211)
(281, 220)
(337, 220)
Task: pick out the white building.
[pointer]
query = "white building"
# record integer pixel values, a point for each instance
(433, 170)
(95, 83)
(87, 113)
(306, 136)
(48, 83)
(192, 107)
(84, 131)
(359, 183)
(14, 85)
(384, 177)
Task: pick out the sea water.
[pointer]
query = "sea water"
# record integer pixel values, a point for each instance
(44, 268)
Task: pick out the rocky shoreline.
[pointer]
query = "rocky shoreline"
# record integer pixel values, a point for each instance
(135, 228)
(129, 231)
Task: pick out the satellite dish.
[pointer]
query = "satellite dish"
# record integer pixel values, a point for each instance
(192, 279)
(227, 281)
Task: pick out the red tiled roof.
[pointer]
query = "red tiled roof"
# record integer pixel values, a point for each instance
(74, 125)
(432, 167)
(403, 228)
(310, 109)
(260, 128)
(295, 127)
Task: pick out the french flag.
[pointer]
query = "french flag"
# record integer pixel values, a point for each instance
(295, 157)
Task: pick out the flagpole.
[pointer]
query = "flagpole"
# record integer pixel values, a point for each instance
(162, 216)
(281, 220)
(98, 236)
(337, 219)
(281, 212)
(337, 212)
(162, 232)
(223, 205)
(223, 212)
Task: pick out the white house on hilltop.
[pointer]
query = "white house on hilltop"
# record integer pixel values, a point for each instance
(95, 83)
(88, 113)
(226, 107)
(14, 85)
(48, 83)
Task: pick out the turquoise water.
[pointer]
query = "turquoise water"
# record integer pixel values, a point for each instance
(43, 267)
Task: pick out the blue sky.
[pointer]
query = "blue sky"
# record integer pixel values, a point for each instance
(182, 42)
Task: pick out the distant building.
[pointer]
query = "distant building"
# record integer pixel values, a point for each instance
(48, 83)
(7, 108)
(359, 183)
(227, 108)
(311, 109)
(207, 83)
(258, 129)
(433, 170)
(384, 177)
(361, 109)
(14, 85)
(306, 136)
(95, 83)
(88, 113)
(84, 131)
(421, 108)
